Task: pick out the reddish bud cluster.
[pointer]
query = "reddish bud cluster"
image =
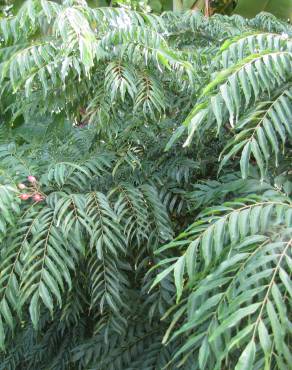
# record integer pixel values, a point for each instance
(33, 190)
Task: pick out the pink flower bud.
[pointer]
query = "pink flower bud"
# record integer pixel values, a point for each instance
(24, 196)
(31, 179)
(37, 198)
(21, 186)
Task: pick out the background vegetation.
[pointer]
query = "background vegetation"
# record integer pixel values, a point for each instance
(145, 189)
(246, 8)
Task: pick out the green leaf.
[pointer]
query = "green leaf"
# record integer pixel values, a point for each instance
(162, 275)
(258, 157)
(179, 269)
(34, 309)
(46, 296)
(193, 341)
(216, 102)
(246, 359)
(240, 337)
(233, 227)
(264, 337)
(244, 160)
(6, 312)
(219, 236)
(194, 125)
(52, 285)
(191, 255)
(286, 281)
(276, 326)
(174, 137)
(243, 222)
(204, 353)
(206, 245)
(233, 319)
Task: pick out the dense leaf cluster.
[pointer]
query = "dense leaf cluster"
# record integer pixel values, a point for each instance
(159, 149)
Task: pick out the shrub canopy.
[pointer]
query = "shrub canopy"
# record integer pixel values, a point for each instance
(145, 185)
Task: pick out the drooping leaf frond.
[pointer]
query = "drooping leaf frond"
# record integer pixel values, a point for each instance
(254, 67)
(234, 265)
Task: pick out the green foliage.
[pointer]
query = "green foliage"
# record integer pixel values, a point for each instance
(121, 247)
(235, 265)
(253, 92)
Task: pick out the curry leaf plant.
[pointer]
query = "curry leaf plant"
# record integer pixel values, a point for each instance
(145, 183)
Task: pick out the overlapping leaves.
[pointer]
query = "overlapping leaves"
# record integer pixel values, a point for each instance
(234, 265)
(90, 97)
(72, 42)
(256, 75)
